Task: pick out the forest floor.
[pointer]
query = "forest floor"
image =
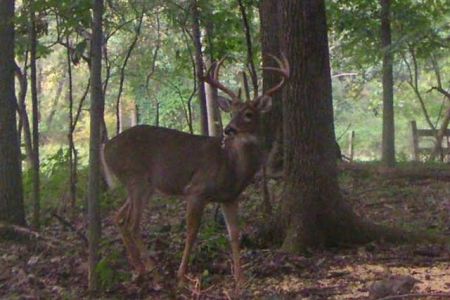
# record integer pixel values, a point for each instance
(53, 265)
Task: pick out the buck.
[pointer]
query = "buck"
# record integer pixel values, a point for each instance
(202, 169)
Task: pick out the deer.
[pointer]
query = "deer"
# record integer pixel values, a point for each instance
(201, 169)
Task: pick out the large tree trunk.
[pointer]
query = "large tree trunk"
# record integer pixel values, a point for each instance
(271, 129)
(388, 143)
(11, 193)
(97, 106)
(199, 66)
(35, 119)
(315, 213)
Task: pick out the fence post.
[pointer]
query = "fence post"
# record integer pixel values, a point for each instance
(415, 141)
(351, 147)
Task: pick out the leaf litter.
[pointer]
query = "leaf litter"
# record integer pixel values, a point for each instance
(36, 269)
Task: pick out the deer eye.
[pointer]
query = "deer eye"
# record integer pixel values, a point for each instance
(248, 116)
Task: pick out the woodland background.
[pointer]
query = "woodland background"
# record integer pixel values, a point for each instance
(152, 53)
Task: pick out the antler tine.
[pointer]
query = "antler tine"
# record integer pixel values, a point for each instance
(218, 65)
(214, 80)
(283, 69)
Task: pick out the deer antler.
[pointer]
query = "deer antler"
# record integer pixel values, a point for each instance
(214, 80)
(283, 69)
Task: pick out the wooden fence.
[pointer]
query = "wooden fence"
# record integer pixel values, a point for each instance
(419, 135)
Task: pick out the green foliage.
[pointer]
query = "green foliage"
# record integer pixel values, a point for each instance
(214, 239)
(159, 77)
(418, 28)
(107, 275)
(54, 179)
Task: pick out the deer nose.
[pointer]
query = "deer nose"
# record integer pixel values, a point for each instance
(230, 130)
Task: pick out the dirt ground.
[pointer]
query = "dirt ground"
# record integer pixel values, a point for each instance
(53, 265)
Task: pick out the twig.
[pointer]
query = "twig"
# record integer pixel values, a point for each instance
(440, 90)
(197, 292)
(393, 201)
(344, 132)
(67, 224)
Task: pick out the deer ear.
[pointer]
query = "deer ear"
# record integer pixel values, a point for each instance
(263, 103)
(224, 103)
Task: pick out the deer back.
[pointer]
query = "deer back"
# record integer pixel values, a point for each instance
(177, 163)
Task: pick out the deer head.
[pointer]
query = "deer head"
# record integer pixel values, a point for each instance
(246, 115)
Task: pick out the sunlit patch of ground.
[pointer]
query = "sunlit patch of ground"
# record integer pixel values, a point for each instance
(352, 281)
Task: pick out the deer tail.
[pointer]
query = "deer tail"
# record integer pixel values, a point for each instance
(107, 174)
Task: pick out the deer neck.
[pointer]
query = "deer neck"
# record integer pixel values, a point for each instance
(243, 155)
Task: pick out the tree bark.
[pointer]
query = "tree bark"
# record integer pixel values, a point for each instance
(58, 93)
(388, 142)
(23, 115)
(313, 209)
(11, 190)
(214, 117)
(35, 119)
(437, 149)
(271, 125)
(119, 126)
(199, 66)
(96, 112)
(71, 129)
(248, 41)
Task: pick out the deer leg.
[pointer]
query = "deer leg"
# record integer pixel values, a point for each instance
(128, 219)
(122, 221)
(194, 213)
(136, 231)
(230, 212)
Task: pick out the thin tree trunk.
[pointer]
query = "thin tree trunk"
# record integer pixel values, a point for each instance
(186, 36)
(35, 119)
(134, 115)
(97, 106)
(214, 117)
(156, 112)
(413, 82)
(388, 142)
(119, 126)
(214, 124)
(444, 125)
(23, 115)
(199, 66)
(211, 100)
(250, 57)
(72, 150)
(11, 191)
(55, 102)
